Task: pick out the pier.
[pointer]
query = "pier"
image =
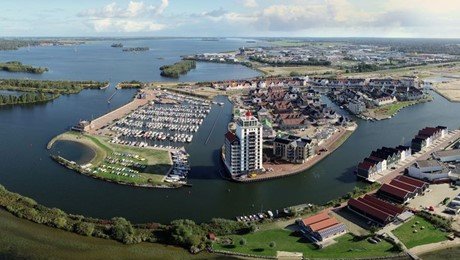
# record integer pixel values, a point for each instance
(213, 126)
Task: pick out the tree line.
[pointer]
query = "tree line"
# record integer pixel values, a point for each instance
(27, 98)
(308, 62)
(184, 233)
(48, 86)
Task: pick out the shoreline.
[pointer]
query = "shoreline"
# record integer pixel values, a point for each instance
(337, 141)
(368, 117)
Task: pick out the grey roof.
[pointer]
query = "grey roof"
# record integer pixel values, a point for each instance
(453, 152)
(428, 163)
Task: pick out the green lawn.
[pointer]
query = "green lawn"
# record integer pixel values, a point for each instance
(429, 235)
(392, 109)
(258, 244)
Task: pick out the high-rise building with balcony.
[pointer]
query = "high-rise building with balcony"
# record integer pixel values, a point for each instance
(243, 149)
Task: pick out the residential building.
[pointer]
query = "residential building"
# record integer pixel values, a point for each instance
(384, 100)
(427, 136)
(292, 148)
(356, 107)
(243, 149)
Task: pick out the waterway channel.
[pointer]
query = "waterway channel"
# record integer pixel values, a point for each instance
(27, 169)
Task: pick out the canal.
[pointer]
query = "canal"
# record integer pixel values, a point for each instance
(27, 169)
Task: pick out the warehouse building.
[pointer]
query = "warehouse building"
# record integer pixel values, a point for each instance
(321, 227)
(374, 209)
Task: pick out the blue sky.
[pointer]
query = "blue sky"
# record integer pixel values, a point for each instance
(296, 18)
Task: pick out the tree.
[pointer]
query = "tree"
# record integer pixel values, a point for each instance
(122, 230)
(243, 241)
(272, 244)
(186, 233)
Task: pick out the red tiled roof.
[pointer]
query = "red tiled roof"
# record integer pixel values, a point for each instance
(324, 224)
(403, 185)
(366, 165)
(376, 213)
(412, 181)
(383, 205)
(315, 218)
(395, 191)
(428, 131)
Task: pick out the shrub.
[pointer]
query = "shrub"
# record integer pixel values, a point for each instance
(186, 233)
(122, 230)
(84, 228)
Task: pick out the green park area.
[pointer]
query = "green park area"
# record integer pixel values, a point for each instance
(120, 164)
(419, 231)
(268, 242)
(389, 110)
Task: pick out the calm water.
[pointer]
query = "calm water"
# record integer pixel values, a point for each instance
(27, 168)
(98, 61)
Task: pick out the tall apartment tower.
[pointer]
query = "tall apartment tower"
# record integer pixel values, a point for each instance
(243, 149)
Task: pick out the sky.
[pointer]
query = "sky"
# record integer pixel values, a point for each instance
(227, 18)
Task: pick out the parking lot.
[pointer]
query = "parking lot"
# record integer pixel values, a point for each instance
(437, 193)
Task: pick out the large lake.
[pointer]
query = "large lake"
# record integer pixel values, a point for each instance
(26, 167)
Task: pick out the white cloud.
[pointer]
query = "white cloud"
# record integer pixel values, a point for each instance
(250, 3)
(135, 17)
(127, 26)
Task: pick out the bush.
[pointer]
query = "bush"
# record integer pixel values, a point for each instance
(60, 222)
(223, 227)
(186, 233)
(122, 230)
(84, 228)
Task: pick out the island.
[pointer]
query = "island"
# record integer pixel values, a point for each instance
(117, 45)
(136, 49)
(177, 69)
(16, 66)
(25, 91)
(15, 44)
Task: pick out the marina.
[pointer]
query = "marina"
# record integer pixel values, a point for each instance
(180, 168)
(169, 121)
(28, 137)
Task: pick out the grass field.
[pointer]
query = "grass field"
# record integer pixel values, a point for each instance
(428, 235)
(387, 111)
(346, 247)
(422, 72)
(158, 162)
(23, 239)
(450, 90)
(301, 70)
(445, 254)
